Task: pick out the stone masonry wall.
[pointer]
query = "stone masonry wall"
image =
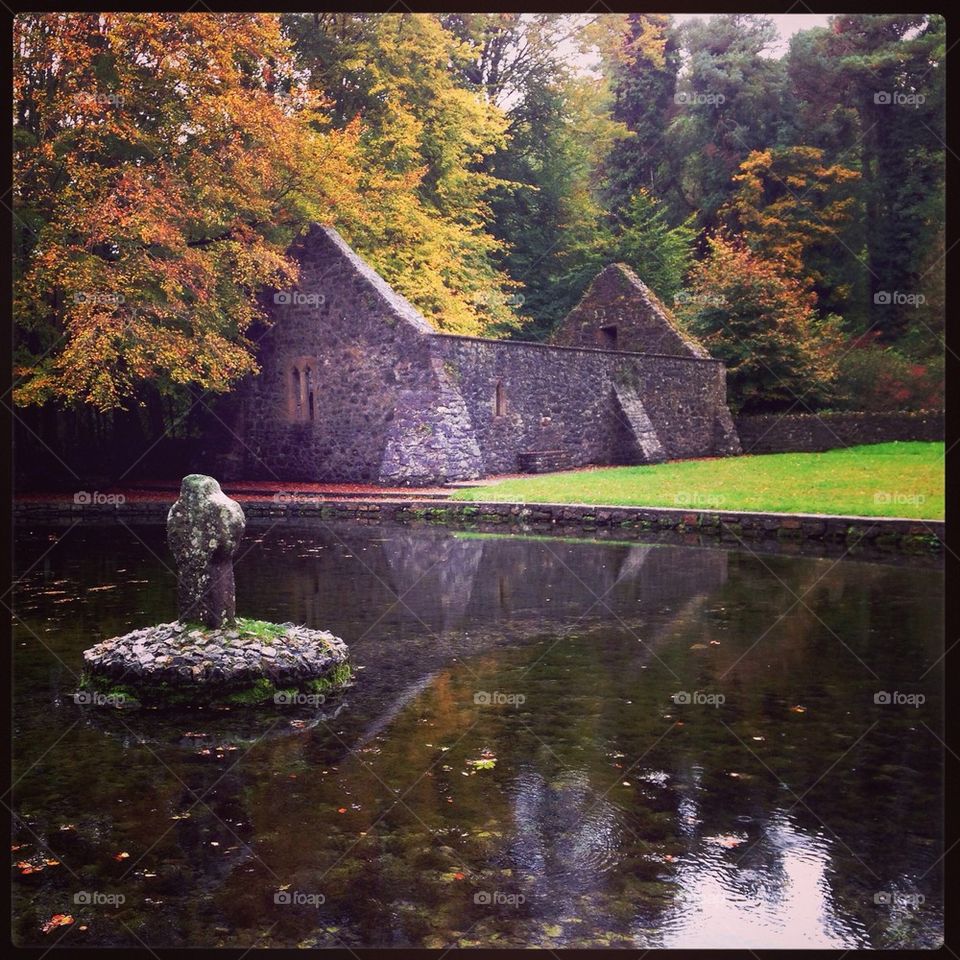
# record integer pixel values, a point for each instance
(807, 433)
(363, 352)
(563, 399)
(619, 311)
(355, 385)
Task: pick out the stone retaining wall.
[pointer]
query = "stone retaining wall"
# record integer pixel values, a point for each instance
(808, 433)
(851, 533)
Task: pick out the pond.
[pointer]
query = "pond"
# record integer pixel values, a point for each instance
(549, 742)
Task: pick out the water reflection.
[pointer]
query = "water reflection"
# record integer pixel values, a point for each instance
(603, 812)
(780, 897)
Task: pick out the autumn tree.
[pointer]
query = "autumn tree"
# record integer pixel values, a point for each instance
(163, 162)
(546, 211)
(423, 131)
(764, 326)
(792, 207)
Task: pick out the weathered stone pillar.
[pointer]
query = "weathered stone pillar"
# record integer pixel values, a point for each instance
(204, 528)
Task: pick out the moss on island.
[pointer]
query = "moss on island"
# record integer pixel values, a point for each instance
(244, 663)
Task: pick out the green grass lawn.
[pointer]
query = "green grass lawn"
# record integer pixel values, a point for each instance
(880, 480)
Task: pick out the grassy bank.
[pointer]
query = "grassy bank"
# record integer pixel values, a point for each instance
(882, 480)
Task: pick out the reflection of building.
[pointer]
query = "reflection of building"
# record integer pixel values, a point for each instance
(356, 385)
(408, 602)
(429, 580)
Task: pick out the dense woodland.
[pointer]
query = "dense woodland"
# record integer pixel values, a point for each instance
(789, 208)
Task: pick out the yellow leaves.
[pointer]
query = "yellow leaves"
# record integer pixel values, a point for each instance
(167, 194)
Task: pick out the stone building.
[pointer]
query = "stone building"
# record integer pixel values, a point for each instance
(355, 385)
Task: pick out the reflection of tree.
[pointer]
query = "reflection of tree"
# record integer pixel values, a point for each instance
(566, 837)
(800, 742)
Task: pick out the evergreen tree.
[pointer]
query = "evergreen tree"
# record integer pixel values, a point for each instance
(643, 68)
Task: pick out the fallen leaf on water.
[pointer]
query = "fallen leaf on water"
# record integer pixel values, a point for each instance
(726, 840)
(484, 764)
(342, 810)
(57, 920)
(26, 867)
(123, 855)
(698, 646)
(487, 761)
(798, 709)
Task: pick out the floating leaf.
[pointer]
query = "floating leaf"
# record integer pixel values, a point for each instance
(123, 855)
(57, 920)
(726, 840)
(486, 763)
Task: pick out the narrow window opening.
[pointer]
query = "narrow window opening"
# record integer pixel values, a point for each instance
(297, 394)
(608, 337)
(309, 393)
(500, 402)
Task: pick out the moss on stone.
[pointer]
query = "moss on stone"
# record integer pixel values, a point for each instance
(261, 629)
(122, 694)
(262, 691)
(337, 677)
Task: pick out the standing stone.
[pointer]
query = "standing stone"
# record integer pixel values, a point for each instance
(204, 528)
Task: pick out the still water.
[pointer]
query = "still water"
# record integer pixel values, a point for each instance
(549, 742)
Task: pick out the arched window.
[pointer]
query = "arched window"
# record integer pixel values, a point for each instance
(500, 401)
(309, 393)
(297, 394)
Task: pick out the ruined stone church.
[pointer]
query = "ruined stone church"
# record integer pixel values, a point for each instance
(355, 385)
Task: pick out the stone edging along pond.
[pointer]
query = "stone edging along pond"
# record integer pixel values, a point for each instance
(894, 533)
